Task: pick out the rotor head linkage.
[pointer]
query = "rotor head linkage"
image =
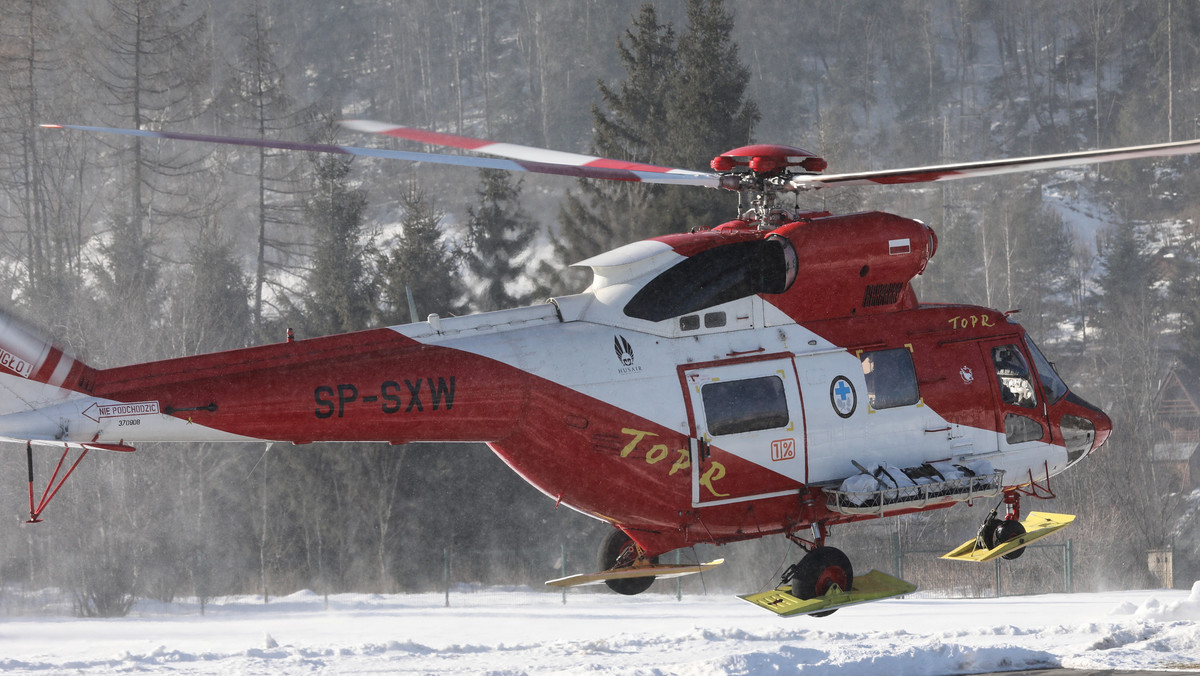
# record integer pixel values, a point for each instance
(758, 173)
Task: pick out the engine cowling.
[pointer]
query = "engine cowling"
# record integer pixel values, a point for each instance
(855, 264)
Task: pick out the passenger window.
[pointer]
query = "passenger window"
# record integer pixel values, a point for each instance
(737, 406)
(1016, 387)
(891, 378)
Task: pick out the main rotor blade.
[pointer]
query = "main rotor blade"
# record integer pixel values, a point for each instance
(949, 172)
(606, 173)
(519, 152)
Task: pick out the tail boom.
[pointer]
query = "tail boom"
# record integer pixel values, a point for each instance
(375, 385)
(33, 371)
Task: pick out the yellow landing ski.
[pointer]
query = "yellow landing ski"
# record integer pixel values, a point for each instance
(1037, 526)
(870, 587)
(660, 571)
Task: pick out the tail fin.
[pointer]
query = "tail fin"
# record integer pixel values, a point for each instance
(34, 372)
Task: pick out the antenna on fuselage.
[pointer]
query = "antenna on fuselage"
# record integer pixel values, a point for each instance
(412, 306)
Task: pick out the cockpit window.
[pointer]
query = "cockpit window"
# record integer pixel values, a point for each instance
(1053, 387)
(1016, 386)
(717, 276)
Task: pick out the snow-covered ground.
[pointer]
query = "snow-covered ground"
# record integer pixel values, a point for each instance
(514, 632)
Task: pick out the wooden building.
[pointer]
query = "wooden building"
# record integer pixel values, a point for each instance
(1177, 445)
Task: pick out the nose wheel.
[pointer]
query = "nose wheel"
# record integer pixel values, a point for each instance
(995, 531)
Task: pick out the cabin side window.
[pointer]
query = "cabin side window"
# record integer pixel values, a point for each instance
(891, 378)
(737, 406)
(718, 275)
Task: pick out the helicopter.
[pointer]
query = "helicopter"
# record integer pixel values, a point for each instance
(774, 374)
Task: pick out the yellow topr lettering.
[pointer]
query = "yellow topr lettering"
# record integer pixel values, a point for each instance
(656, 453)
(715, 471)
(684, 461)
(638, 435)
(971, 321)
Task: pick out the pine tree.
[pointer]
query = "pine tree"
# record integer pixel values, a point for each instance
(631, 125)
(1131, 369)
(1126, 279)
(1042, 265)
(210, 303)
(420, 262)
(708, 114)
(678, 106)
(257, 98)
(129, 270)
(1184, 296)
(38, 233)
(498, 233)
(338, 292)
(153, 65)
(1022, 259)
(707, 111)
(635, 126)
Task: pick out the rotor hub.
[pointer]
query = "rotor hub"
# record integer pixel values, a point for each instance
(767, 161)
(758, 172)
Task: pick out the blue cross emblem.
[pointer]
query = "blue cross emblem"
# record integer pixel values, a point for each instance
(843, 397)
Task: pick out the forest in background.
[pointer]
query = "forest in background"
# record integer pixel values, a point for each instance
(132, 250)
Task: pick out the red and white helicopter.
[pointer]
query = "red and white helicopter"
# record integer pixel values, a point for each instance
(774, 374)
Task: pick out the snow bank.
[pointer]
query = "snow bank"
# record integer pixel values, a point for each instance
(607, 634)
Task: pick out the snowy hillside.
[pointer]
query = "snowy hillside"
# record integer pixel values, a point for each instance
(523, 632)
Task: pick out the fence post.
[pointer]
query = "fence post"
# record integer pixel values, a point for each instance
(998, 578)
(562, 571)
(324, 577)
(1069, 566)
(446, 573)
(678, 580)
(897, 555)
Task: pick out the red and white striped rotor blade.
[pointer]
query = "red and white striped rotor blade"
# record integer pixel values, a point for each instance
(948, 172)
(597, 172)
(522, 153)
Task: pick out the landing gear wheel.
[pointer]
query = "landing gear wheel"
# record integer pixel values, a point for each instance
(987, 532)
(619, 550)
(818, 571)
(1008, 530)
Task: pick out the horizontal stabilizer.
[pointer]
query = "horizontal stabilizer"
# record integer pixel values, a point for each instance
(870, 587)
(662, 571)
(1037, 526)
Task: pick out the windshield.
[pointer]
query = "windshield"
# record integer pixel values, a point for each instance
(717, 276)
(1053, 387)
